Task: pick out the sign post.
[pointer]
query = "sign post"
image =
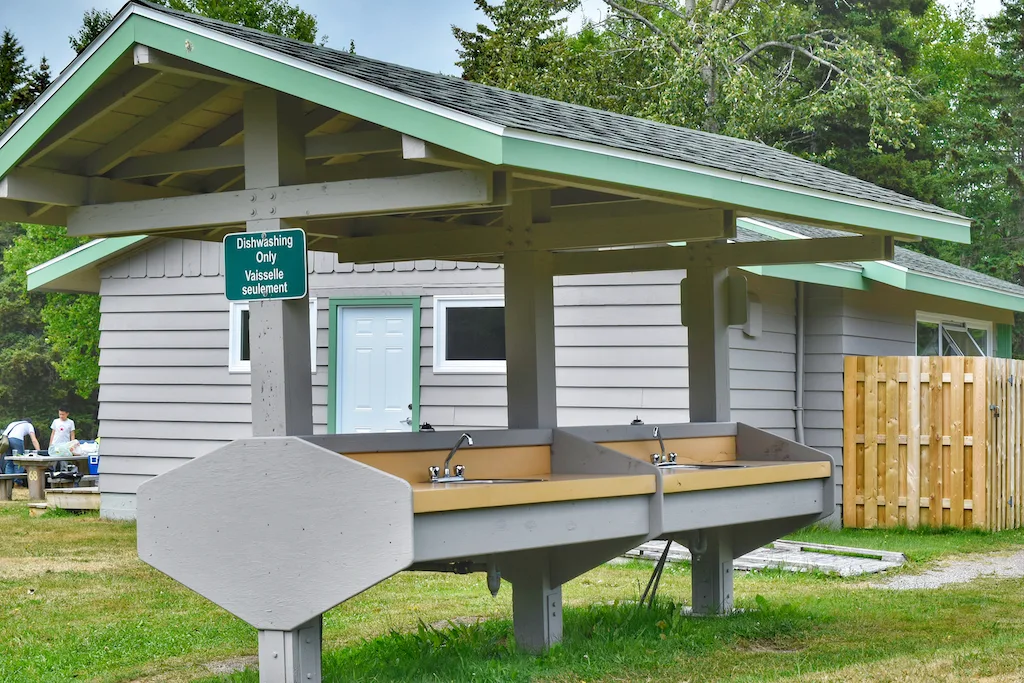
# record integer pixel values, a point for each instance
(265, 265)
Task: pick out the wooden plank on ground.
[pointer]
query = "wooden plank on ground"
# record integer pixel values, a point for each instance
(914, 443)
(850, 441)
(870, 444)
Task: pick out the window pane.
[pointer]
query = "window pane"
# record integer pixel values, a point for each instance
(963, 343)
(244, 346)
(981, 337)
(927, 339)
(475, 333)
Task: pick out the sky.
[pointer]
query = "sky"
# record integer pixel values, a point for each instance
(409, 32)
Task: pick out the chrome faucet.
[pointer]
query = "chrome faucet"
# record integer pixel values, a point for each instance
(661, 459)
(435, 471)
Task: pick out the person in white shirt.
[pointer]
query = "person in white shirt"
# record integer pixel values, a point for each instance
(62, 430)
(16, 433)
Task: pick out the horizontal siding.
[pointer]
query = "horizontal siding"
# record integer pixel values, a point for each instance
(166, 395)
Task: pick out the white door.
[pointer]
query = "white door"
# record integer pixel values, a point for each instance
(375, 369)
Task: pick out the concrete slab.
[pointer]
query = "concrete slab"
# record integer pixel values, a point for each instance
(791, 556)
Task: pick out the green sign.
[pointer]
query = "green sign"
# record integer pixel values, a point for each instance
(265, 265)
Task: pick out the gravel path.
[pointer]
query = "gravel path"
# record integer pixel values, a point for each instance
(961, 570)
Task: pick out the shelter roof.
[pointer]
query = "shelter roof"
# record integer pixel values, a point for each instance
(98, 152)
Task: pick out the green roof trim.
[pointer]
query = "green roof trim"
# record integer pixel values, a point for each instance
(606, 165)
(883, 272)
(65, 91)
(497, 127)
(321, 88)
(86, 256)
(903, 278)
(815, 274)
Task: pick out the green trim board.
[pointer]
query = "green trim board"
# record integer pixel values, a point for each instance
(65, 92)
(912, 281)
(1004, 340)
(743, 192)
(88, 255)
(813, 273)
(412, 302)
(461, 132)
(884, 272)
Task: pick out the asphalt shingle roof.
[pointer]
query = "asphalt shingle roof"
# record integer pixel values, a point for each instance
(539, 115)
(913, 261)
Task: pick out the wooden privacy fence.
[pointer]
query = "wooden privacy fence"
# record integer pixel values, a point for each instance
(932, 441)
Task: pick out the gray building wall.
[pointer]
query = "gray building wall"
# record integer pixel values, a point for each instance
(166, 394)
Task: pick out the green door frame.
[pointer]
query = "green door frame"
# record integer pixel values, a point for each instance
(412, 302)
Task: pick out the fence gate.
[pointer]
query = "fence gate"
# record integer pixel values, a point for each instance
(932, 441)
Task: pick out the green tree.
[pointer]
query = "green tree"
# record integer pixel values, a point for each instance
(70, 322)
(13, 75)
(273, 16)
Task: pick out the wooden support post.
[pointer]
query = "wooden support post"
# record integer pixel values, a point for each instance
(707, 318)
(530, 372)
(282, 392)
(712, 572)
(529, 328)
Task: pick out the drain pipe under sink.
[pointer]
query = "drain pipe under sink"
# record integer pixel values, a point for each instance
(798, 409)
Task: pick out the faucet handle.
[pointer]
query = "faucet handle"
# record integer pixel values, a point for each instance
(655, 458)
(459, 470)
(671, 457)
(435, 472)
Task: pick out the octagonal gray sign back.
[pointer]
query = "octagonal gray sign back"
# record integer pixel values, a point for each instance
(276, 530)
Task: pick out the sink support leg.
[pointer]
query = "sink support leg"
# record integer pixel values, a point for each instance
(536, 604)
(292, 656)
(712, 574)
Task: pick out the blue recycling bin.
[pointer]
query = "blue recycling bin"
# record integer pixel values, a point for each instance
(94, 461)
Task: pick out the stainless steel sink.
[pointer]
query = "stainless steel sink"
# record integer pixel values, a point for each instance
(491, 481)
(701, 466)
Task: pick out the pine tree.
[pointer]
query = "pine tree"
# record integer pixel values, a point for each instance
(13, 76)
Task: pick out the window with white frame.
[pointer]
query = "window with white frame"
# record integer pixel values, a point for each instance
(469, 334)
(239, 358)
(940, 335)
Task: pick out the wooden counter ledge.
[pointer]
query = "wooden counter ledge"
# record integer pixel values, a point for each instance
(429, 497)
(754, 472)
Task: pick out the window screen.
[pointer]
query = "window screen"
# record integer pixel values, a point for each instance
(475, 333)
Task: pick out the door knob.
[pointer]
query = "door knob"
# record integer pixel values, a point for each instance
(407, 421)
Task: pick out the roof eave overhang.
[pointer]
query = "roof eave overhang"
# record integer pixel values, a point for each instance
(882, 272)
(454, 130)
(78, 271)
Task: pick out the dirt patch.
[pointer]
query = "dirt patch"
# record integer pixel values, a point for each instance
(233, 665)
(457, 621)
(960, 570)
(25, 567)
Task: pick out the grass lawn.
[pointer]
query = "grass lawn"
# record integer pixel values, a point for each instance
(76, 604)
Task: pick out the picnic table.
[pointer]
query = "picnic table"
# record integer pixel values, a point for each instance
(35, 470)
